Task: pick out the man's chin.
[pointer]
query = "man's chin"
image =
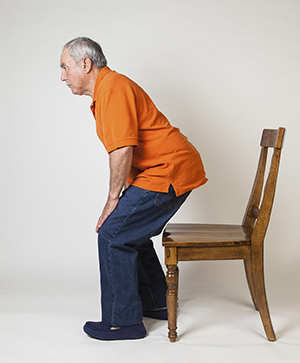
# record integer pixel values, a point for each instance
(75, 92)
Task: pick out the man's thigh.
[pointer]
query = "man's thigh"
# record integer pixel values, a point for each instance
(140, 214)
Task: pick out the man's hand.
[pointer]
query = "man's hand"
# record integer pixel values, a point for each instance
(107, 210)
(119, 163)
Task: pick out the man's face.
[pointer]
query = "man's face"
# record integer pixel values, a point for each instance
(73, 74)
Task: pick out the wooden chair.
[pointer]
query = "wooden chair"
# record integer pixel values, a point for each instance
(193, 242)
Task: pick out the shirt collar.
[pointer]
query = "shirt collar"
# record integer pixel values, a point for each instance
(103, 72)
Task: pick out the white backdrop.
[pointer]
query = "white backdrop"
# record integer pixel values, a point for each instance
(220, 70)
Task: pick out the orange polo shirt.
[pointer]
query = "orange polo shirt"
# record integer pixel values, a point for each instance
(126, 116)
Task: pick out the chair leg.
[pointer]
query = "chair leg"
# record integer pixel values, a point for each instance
(249, 277)
(177, 283)
(260, 293)
(172, 293)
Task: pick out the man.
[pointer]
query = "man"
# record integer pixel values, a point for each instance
(155, 166)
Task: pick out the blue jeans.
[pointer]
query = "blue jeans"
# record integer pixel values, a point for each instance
(132, 279)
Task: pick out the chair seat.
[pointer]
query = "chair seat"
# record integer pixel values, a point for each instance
(214, 235)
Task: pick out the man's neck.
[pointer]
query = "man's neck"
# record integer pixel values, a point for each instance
(92, 81)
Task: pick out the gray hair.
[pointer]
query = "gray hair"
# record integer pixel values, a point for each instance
(82, 47)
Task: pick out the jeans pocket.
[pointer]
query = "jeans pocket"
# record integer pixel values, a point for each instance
(169, 200)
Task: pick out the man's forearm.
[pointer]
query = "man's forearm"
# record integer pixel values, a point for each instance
(119, 163)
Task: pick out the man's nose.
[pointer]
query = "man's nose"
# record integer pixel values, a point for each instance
(63, 76)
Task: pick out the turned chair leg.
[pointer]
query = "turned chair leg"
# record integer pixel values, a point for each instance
(260, 294)
(172, 293)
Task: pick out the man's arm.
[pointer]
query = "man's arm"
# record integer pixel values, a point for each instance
(119, 163)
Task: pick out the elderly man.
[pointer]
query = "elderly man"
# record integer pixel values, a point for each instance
(155, 166)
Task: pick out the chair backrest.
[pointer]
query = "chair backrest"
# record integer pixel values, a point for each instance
(261, 199)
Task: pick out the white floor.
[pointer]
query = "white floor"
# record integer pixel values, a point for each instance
(216, 323)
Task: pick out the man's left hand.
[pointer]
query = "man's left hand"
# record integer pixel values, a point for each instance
(109, 207)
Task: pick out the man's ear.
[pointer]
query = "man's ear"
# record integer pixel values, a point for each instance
(86, 65)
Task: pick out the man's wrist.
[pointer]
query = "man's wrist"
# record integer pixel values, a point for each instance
(113, 196)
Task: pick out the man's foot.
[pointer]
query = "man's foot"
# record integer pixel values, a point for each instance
(161, 314)
(103, 331)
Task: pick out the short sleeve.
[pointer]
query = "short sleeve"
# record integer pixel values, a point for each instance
(118, 120)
